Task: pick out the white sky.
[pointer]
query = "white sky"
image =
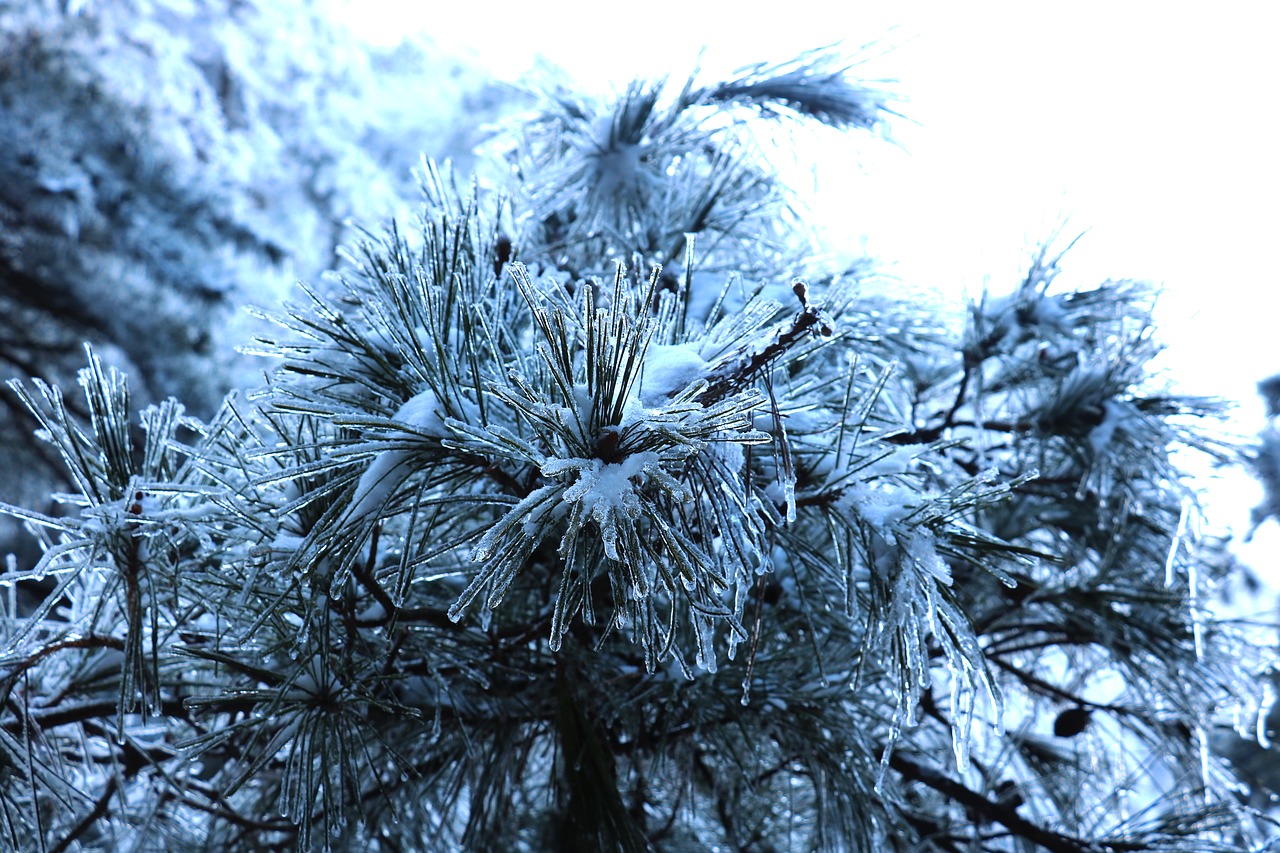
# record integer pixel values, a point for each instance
(1153, 125)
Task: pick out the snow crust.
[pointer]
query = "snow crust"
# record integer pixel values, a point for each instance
(605, 491)
(1116, 415)
(390, 468)
(668, 370)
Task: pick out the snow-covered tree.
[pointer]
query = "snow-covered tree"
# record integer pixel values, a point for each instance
(592, 515)
(162, 162)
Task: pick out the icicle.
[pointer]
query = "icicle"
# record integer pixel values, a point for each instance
(609, 536)
(979, 415)
(789, 497)
(895, 732)
(560, 615)
(786, 467)
(962, 701)
(1202, 738)
(705, 630)
(1178, 538)
(1193, 604)
(1264, 709)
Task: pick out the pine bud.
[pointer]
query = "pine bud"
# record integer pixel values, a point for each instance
(502, 253)
(1071, 722)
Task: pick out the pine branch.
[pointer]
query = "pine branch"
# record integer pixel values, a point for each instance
(95, 814)
(997, 812)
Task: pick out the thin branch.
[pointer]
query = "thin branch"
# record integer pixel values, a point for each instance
(99, 809)
(997, 812)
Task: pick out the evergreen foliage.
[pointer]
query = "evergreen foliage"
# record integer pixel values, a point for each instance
(586, 517)
(162, 162)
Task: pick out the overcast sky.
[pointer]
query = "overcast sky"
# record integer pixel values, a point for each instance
(1152, 125)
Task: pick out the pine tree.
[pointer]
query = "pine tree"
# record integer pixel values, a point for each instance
(164, 161)
(592, 516)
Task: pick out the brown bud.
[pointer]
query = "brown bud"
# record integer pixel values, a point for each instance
(502, 253)
(1071, 722)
